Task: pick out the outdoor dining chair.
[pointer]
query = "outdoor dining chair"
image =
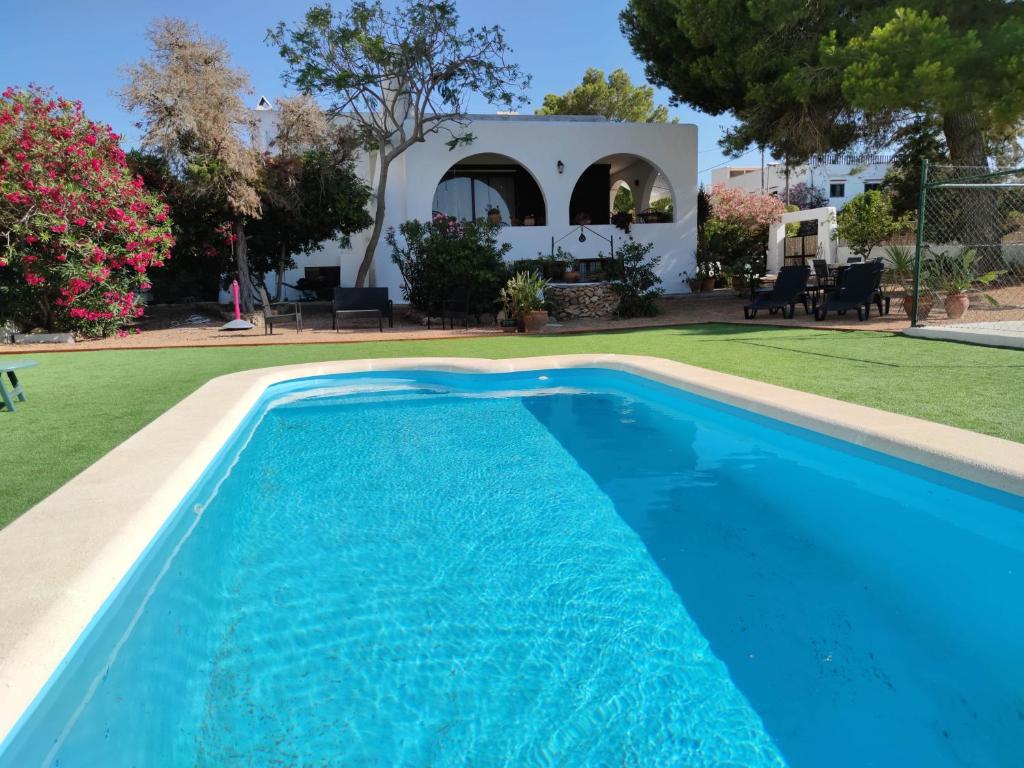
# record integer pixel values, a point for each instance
(279, 312)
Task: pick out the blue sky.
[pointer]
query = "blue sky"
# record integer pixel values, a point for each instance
(79, 47)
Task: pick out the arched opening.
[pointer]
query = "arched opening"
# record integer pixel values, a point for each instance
(491, 186)
(600, 192)
(621, 198)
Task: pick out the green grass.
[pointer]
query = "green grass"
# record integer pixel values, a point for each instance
(82, 404)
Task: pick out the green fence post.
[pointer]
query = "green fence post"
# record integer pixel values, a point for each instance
(920, 241)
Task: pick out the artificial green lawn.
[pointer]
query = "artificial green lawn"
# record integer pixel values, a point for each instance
(82, 404)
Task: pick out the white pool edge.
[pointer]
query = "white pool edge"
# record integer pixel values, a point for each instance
(62, 559)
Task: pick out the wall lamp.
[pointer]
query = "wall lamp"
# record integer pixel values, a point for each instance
(561, 167)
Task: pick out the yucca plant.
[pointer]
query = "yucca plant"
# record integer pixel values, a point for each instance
(900, 261)
(523, 293)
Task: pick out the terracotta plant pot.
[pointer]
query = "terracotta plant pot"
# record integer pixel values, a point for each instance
(741, 286)
(529, 221)
(925, 304)
(494, 218)
(956, 305)
(572, 277)
(707, 285)
(534, 322)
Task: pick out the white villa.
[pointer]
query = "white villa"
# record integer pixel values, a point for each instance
(545, 174)
(839, 177)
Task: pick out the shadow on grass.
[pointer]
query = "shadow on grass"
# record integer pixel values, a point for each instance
(943, 365)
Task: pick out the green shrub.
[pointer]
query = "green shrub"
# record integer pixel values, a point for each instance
(447, 260)
(867, 220)
(639, 286)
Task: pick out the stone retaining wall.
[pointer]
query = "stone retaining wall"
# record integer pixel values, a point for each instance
(573, 300)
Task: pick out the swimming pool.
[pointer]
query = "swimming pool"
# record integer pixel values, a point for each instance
(408, 568)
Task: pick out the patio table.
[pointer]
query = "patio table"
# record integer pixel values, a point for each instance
(17, 391)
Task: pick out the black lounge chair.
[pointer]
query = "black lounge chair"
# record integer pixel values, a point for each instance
(279, 312)
(790, 287)
(859, 288)
(349, 302)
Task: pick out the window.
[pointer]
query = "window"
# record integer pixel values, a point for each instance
(472, 190)
(870, 185)
(837, 189)
(468, 195)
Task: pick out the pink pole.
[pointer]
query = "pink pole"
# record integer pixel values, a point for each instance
(234, 291)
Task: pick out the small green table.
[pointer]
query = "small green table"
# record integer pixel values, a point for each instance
(16, 389)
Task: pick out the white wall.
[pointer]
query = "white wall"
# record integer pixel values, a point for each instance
(819, 175)
(538, 143)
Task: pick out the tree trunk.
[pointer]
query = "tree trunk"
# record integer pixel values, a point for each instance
(279, 287)
(46, 316)
(378, 224)
(965, 140)
(971, 215)
(245, 287)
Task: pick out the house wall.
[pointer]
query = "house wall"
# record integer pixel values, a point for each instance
(817, 174)
(537, 144)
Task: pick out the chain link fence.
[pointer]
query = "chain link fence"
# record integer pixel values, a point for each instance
(969, 258)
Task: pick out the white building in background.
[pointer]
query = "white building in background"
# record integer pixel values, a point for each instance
(545, 175)
(838, 177)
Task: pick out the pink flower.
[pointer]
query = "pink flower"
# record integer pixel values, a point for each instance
(751, 209)
(59, 228)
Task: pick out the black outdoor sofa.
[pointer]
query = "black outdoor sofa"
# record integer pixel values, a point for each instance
(789, 290)
(351, 302)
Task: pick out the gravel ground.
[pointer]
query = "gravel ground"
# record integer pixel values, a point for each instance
(169, 325)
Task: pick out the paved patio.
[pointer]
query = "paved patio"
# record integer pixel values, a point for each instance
(169, 326)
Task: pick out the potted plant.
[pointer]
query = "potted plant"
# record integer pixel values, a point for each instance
(955, 276)
(529, 220)
(508, 323)
(707, 272)
(523, 295)
(556, 266)
(900, 262)
(692, 282)
(493, 216)
(737, 280)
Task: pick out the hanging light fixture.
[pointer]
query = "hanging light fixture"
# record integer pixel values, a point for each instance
(561, 167)
(583, 237)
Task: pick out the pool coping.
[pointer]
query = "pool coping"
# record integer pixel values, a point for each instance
(61, 560)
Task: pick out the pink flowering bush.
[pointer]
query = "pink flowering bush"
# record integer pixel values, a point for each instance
(735, 237)
(78, 232)
(752, 210)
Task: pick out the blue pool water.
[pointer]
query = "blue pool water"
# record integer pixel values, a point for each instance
(554, 568)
